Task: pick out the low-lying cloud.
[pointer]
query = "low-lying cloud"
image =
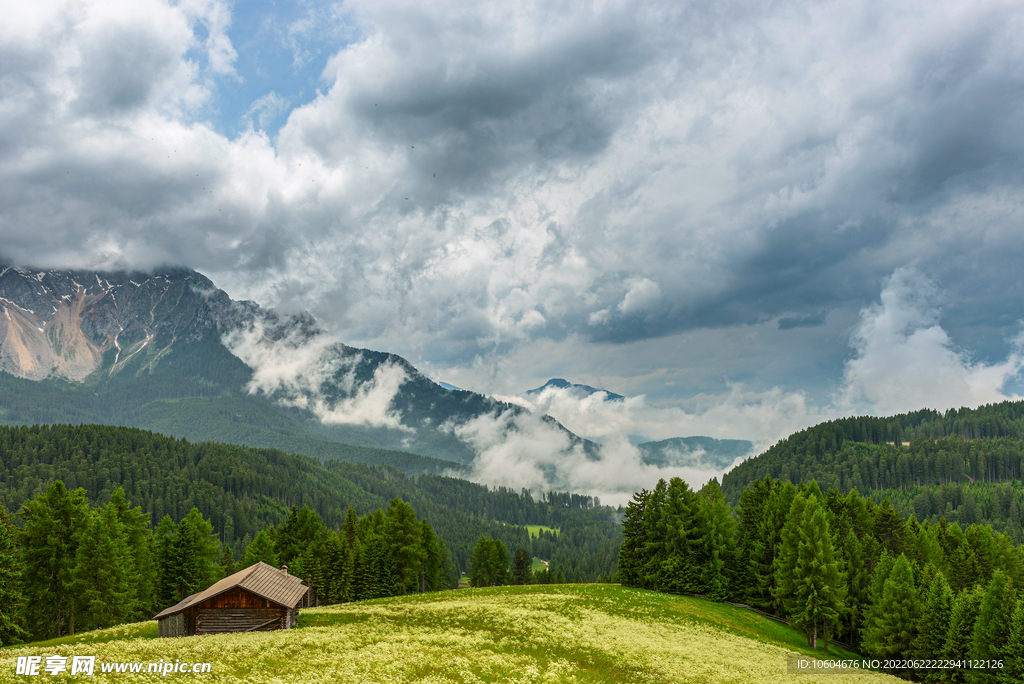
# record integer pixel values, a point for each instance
(762, 417)
(525, 451)
(306, 370)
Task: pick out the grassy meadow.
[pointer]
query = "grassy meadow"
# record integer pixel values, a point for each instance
(545, 633)
(535, 530)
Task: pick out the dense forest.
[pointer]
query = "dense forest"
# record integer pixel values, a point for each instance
(243, 490)
(965, 466)
(838, 567)
(923, 448)
(73, 567)
(198, 409)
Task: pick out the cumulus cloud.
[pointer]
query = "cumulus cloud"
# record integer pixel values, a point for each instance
(905, 361)
(478, 180)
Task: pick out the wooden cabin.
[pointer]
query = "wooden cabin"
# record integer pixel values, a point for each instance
(258, 598)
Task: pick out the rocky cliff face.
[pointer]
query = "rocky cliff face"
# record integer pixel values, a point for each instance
(63, 324)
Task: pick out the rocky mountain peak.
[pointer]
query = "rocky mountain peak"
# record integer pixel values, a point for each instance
(60, 324)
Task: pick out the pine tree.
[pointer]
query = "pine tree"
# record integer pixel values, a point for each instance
(1013, 668)
(894, 620)
(193, 555)
(963, 567)
(405, 539)
(858, 584)
(135, 524)
(820, 585)
(489, 564)
(434, 556)
(165, 594)
(347, 575)
(890, 530)
(934, 623)
(310, 568)
(371, 581)
(521, 568)
(12, 602)
(751, 513)
(261, 550)
(961, 632)
(104, 572)
(49, 542)
(481, 572)
(787, 556)
(334, 562)
(656, 537)
(716, 533)
(226, 564)
(992, 627)
(676, 538)
(295, 535)
(767, 545)
(883, 568)
(633, 554)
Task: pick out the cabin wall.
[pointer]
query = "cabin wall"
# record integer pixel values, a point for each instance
(235, 610)
(171, 626)
(177, 625)
(239, 610)
(220, 620)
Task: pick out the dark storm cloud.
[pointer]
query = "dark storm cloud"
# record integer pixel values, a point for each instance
(476, 178)
(808, 321)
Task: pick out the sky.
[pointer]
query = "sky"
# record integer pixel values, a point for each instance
(746, 217)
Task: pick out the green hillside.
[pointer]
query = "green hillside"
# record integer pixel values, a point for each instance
(242, 490)
(581, 633)
(921, 448)
(202, 398)
(966, 465)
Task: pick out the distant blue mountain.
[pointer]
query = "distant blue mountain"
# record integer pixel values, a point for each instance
(585, 390)
(448, 386)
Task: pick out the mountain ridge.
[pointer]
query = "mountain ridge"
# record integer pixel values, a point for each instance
(584, 390)
(140, 349)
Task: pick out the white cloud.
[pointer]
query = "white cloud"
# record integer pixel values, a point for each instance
(525, 451)
(266, 109)
(302, 370)
(905, 361)
(642, 293)
(762, 417)
(480, 180)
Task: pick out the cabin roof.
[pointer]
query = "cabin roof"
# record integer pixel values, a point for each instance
(260, 579)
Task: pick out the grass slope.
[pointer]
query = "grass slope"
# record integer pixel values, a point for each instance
(564, 633)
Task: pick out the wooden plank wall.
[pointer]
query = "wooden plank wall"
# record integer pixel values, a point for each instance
(171, 626)
(219, 620)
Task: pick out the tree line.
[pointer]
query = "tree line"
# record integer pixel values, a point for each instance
(74, 568)
(243, 490)
(838, 567)
(819, 453)
(490, 566)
